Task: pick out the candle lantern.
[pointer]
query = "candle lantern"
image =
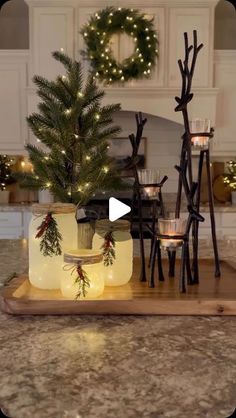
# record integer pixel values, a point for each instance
(171, 228)
(45, 269)
(115, 241)
(149, 177)
(82, 274)
(200, 126)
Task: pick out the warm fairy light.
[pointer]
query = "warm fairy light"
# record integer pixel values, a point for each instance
(22, 163)
(76, 136)
(69, 193)
(46, 158)
(97, 116)
(80, 94)
(63, 151)
(87, 185)
(48, 184)
(38, 140)
(64, 78)
(88, 158)
(105, 169)
(36, 177)
(68, 111)
(62, 50)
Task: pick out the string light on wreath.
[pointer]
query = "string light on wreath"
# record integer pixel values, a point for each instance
(97, 35)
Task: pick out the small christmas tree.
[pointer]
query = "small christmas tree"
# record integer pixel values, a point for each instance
(73, 128)
(5, 171)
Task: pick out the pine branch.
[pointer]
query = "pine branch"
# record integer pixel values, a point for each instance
(50, 236)
(108, 249)
(82, 281)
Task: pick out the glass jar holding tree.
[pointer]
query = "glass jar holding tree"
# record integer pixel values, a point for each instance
(71, 159)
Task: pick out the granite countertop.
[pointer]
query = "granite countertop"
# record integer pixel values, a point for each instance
(114, 366)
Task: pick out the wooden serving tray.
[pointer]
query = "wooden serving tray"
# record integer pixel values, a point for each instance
(211, 297)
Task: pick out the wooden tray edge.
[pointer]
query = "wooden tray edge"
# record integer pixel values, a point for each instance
(164, 306)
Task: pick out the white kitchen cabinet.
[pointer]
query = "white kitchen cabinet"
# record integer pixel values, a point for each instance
(224, 143)
(14, 224)
(13, 81)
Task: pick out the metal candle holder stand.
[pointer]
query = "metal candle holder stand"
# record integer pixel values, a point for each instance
(192, 189)
(187, 72)
(137, 195)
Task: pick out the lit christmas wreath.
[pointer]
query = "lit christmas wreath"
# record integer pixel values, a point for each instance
(97, 34)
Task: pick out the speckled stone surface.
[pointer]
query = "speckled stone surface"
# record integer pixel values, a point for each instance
(124, 367)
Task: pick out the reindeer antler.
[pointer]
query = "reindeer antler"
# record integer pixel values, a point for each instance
(187, 67)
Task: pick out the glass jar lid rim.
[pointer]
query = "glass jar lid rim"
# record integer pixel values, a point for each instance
(56, 208)
(83, 256)
(107, 225)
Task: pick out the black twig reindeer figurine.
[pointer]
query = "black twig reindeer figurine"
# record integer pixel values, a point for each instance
(187, 68)
(135, 143)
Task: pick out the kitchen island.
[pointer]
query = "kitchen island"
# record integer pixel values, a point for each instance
(113, 366)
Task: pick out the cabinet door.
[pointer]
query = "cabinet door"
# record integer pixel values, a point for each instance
(183, 19)
(11, 226)
(224, 142)
(13, 131)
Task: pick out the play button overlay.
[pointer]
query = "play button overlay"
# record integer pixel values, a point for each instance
(117, 209)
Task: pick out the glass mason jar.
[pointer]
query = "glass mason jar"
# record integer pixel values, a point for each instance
(119, 271)
(86, 221)
(90, 263)
(44, 271)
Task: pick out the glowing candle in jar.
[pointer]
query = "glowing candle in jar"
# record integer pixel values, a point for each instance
(149, 176)
(82, 274)
(172, 227)
(200, 126)
(45, 272)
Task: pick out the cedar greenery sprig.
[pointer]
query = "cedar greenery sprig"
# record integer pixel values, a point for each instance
(50, 236)
(82, 281)
(108, 248)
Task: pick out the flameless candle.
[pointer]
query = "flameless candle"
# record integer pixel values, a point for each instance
(45, 271)
(115, 240)
(88, 263)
